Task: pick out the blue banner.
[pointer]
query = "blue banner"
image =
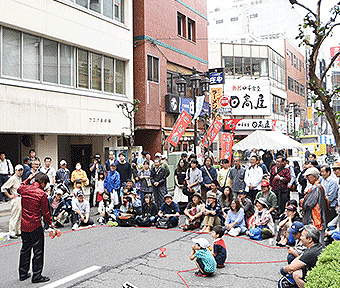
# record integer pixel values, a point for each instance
(187, 104)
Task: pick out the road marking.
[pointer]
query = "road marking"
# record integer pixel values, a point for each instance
(72, 277)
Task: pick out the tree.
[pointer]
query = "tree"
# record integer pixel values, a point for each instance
(321, 31)
(129, 110)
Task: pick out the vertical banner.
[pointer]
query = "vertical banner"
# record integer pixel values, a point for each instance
(181, 124)
(227, 142)
(212, 132)
(215, 96)
(309, 113)
(199, 106)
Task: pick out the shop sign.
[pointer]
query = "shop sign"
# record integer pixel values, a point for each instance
(249, 124)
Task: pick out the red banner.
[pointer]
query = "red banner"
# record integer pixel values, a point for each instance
(212, 132)
(181, 124)
(227, 142)
(230, 124)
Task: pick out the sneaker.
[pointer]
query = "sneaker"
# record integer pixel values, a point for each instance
(199, 274)
(75, 226)
(112, 223)
(220, 266)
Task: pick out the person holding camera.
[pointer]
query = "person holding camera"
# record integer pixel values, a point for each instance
(130, 203)
(95, 169)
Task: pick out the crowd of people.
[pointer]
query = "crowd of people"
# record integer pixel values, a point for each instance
(238, 199)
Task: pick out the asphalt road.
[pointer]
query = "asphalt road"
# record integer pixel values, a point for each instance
(117, 255)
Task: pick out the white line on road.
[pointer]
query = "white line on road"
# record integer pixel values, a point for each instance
(72, 277)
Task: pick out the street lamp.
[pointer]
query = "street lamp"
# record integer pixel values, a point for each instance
(199, 83)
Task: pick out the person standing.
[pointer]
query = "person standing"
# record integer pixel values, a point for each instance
(49, 171)
(209, 174)
(110, 161)
(336, 170)
(63, 174)
(180, 175)
(10, 188)
(124, 169)
(145, 181)
(6, 171)
(26, 166)
(236, 176)
(79, 174)
(112, 184)
(158, 180)
(253, 177)
(95, 168)
(267, 159)
(279, 179)
(331, 188)
(194, 178)
(314, 207)
(223, 174)
(33, 156)
(35, 168)
(34, 203)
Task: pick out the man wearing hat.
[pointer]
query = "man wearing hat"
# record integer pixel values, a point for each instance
(170, 210)
(193, 212)
(268, 195)
(80, 211)
(10, 188)
(298, 249)
(336, 170)
(63, 174)
(314, 207)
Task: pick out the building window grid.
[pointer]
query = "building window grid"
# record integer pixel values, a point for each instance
(181, 29)
(74, 62)
(191, 30)
(152, 68)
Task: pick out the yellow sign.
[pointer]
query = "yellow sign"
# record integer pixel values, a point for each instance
(216, 94)
(309, 113)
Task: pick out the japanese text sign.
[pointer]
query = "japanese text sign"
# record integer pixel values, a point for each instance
(249, 124)
(227, 142)
(216, 78)
(181, 124)
(212, 132)
(216, 95)
(248, 97)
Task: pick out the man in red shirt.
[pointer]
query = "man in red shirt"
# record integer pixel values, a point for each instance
(33, 202)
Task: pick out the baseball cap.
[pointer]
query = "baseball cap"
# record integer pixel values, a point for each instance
(296, 227)
(263, 201)
(291, 208)
(241, 192)
(264, 183)
(167, 196)
(204, 243)
(59, 191)
(19, 167)
(63, 162)
(80, 193)
(312, 171)
(158, 154)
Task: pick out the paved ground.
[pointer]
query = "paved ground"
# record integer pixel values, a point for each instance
(132, 254)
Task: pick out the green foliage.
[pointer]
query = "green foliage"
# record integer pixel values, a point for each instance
(326, 273)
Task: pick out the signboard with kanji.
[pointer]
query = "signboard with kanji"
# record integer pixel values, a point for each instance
(216, 76)
(181, 124)
(227, 141)
(248, 97)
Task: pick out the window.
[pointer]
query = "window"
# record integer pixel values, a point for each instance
(108, 74)
(83, 3)
(83, 69)
(290, 84)
(66, 65)
(300, 66)
(180, 24)
(11, 52)
(254, 15)
(31, 57)
(95, 5)
(234, 19)
(278, 105)
(246, 66)
(297, 87)
(108, 8)
(96, 71)
(153, 66)
(238, 66)
(191, 30)
(229, 65)
(219, 21)
(171, 83)
(120, 79)
(302, 90)
(50, 61)
(119, 10)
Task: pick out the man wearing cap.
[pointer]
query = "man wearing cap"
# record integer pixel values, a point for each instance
(10, 188)
(331, 188)
(314, 207)
(63, 174)
(6, 171)
(301, 265)
(252, 178)
(298, 249)
(80, 211)
(170, 210)
(268, 195)
(279, 179)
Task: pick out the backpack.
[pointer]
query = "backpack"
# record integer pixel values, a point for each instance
(143, 221)
(125, 220)
(255, 233)
(163, 223)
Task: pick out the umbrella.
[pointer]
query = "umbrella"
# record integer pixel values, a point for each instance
(267, 140)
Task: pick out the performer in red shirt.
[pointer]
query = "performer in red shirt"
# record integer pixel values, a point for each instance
(33, 202)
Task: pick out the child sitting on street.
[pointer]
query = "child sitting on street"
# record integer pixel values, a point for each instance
(204, 260)
(213, 212)
(193, 213)
(105, 209)
(78, 186)
(219, 250)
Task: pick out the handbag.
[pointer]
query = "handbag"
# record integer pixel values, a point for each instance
(163, 223)
(125, 220)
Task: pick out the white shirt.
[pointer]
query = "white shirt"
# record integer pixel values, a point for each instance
(253, 177)
(50, 172)
(4, 165)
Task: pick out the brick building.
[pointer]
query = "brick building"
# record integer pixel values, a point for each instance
(169, 38)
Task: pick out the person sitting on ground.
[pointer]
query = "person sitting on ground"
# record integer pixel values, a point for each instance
(298, 249)
(149, 212)
(213, 212)
(169, 209)
(246, 204)
(225, 198)
(78, 186)
(57, 207)
(263, 219)
(286, 220)
(80, 211)
(269, 196)
(130, 203)
(128, 187)
(301, 265)
(105, 209)
(194, 212)
(219, 250)
(235, 222)
(204, 260)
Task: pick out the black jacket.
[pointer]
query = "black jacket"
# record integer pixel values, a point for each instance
(158, 175)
